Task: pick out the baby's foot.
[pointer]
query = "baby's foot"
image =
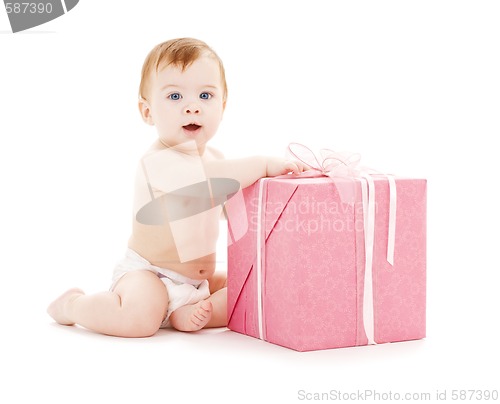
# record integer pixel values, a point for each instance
(57, 309)
(192, 317)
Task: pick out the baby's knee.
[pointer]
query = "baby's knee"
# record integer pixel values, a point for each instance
(144, 304)
(145, 321)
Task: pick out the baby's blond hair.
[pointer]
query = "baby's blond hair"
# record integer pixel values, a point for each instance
(181, 52)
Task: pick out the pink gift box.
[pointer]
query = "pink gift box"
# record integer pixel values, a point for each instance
(306, 287)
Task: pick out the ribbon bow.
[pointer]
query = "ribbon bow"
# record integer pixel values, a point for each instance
(330, 163)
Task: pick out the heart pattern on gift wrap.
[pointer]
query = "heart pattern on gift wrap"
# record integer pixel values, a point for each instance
(25, 15)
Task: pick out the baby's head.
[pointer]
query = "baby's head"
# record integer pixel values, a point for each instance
(183, 92)
(181, 53)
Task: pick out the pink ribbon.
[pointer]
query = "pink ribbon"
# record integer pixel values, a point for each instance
(335, 164)
(331, 163)
(346, 164)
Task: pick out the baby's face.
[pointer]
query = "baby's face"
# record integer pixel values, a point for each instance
(187, 105)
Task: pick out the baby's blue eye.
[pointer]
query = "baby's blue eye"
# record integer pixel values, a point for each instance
(205, 96)
(175, 96)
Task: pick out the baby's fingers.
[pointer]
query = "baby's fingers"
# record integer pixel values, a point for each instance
(295, 167)
(302, 166)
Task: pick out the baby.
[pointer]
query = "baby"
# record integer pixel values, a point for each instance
(168, 277)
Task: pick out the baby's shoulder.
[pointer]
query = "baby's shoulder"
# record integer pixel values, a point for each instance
(159, 153)
(214, 153)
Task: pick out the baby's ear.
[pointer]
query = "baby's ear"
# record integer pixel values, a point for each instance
(145, 111)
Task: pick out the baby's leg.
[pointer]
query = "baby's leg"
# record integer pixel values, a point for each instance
(219, 313)
(136, 307)
(218, 298)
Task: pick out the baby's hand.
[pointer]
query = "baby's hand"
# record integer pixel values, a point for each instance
(277, 166)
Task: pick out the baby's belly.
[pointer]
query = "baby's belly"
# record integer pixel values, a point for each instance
(200, 268)
(193, 257)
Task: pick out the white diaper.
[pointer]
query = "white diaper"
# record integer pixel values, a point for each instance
(181, 289)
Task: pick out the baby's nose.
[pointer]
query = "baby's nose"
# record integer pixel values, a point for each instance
(192, 108)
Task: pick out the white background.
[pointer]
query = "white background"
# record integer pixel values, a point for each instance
(413, 86)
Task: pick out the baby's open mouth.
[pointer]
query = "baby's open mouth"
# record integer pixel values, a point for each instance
(191, 127)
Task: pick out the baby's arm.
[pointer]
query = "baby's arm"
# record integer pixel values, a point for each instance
(248, 170)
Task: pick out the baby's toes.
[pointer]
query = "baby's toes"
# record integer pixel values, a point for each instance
(202, 314)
